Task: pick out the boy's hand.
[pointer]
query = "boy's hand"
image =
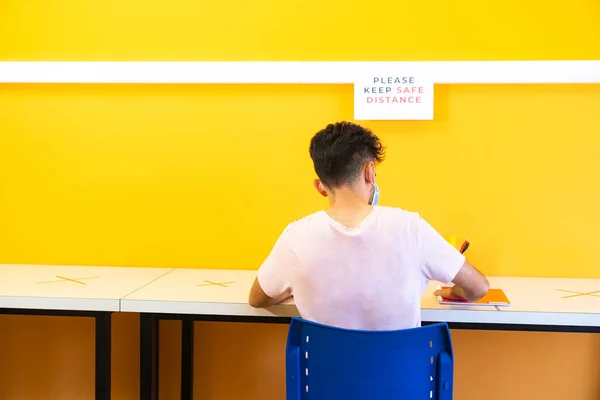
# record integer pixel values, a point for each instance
(453, 293)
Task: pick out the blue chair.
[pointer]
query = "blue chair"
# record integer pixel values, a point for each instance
(327, 363)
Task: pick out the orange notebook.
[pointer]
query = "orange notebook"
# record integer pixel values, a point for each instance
(494, 297)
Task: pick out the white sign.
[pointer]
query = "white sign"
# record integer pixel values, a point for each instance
(394, 95)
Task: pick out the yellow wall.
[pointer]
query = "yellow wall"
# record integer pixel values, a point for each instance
(208, 176)
(180, 175)
(299, 30)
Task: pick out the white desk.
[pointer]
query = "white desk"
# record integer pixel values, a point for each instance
(89, 292)
(202, 292)
(542, 302)
(535, 301)
(49, 287)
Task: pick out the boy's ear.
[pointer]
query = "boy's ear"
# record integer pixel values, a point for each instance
(370, 173)
(320, 188)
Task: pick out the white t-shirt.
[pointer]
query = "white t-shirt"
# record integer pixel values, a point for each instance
(370, 277)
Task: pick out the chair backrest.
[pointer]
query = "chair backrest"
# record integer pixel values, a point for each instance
(327, 363)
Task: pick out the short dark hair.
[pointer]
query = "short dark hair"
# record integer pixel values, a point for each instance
(340, 151)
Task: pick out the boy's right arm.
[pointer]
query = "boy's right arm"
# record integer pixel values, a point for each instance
(469, 284)
(442, 262)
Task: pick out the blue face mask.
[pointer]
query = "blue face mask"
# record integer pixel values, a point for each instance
(375, 199)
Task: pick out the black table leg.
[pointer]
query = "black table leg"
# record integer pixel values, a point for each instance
(149, 356)
(103, 356)
(187, 358)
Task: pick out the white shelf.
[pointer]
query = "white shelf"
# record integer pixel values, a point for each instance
(271, 72)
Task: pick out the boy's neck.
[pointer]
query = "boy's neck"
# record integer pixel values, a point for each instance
(348, 208)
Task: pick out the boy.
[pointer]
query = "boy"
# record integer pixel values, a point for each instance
(358, 265)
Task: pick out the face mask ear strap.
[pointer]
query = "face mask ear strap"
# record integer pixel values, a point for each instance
(375, 196)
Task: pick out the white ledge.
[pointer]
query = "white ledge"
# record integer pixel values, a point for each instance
(275, 72)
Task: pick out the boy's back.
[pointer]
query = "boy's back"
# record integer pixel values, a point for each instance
(368, 277)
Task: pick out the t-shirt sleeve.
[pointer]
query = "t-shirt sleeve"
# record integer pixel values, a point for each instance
(275, 274)
(440, 260)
